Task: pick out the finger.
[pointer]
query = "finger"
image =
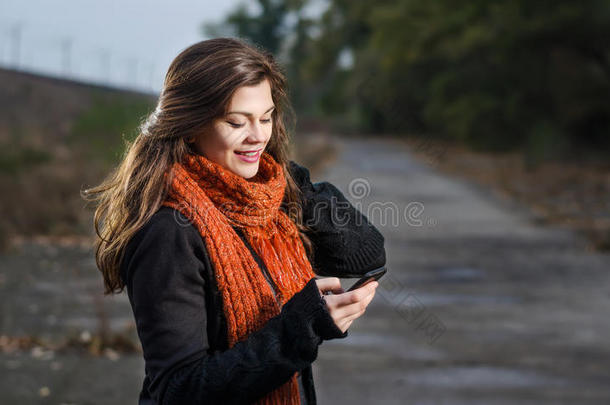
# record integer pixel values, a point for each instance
(339, 290)
(328, 284)
(335, 291)
(350, 311)
(345, 326)
(361, 309)
(366, 283)
(356, 295)
(348, 304)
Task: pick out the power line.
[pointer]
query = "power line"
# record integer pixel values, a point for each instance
(20, 50)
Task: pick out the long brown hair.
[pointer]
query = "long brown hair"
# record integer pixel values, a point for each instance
(197, 89)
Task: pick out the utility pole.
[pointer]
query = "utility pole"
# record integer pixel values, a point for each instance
(16, 31)
(105, 65)
(2, 47)
(151, 76)
(66, 50)
(132, 71)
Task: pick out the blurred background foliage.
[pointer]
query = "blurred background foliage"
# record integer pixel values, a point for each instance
(526, 84)
(496, 76)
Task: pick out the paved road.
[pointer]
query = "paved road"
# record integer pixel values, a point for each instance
(54, 292)
(480, 305)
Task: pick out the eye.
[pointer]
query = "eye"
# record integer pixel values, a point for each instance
(235, 125)
(266, 121)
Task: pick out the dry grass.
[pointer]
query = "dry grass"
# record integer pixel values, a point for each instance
(57, 137)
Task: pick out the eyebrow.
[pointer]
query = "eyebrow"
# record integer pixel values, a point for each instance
(249, 114)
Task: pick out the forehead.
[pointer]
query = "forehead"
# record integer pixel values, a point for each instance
(252, 99)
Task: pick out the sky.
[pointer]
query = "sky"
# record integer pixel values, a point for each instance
(124, 43)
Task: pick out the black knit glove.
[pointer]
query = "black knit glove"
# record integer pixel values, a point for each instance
(315, 319)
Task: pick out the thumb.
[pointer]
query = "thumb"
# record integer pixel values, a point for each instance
(329, 284)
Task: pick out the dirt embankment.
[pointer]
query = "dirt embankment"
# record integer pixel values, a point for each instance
(56, 137)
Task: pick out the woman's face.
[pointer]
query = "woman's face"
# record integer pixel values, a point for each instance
(246, 128)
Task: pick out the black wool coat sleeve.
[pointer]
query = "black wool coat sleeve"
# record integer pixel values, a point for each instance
(166, 270)
(346, 244)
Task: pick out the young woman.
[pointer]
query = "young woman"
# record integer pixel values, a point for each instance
(218, 238)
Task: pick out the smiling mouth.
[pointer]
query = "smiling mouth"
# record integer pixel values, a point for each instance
(249, 156)
(248, 153)
(251, 152)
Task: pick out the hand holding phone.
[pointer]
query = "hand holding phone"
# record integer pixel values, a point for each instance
(345, 308)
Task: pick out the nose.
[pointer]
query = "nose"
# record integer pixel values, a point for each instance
(257, 133)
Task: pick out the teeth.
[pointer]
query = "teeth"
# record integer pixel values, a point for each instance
(248, 153)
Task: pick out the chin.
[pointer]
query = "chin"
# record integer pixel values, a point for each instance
(246, 172)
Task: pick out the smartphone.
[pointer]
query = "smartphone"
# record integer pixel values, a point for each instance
(369, 276)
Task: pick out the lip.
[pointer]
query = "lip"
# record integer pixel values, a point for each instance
(249, 159)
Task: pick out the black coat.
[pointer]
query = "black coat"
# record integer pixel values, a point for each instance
(179, 316)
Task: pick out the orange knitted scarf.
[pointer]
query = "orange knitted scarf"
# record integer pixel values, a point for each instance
(214, 199)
